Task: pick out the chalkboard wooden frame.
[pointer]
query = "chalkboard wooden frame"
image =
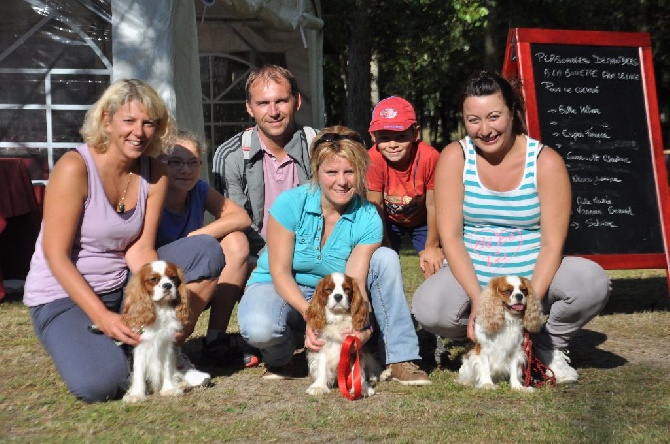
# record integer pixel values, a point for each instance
(518, 63)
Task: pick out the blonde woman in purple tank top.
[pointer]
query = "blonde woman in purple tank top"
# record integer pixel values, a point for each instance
(101, 212)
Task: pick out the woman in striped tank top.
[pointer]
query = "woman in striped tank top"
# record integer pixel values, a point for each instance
(503, 207)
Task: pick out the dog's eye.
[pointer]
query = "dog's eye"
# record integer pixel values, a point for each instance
(524, 290)
(507, 292)
(154, 279)
(175, 280)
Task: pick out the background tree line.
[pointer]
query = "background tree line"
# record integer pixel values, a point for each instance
(423, 50)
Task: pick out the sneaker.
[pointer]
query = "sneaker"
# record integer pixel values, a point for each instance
(250, 360)
(187, 372)
(559, 363)
(278, 372)
(408, 373)
(251, 356)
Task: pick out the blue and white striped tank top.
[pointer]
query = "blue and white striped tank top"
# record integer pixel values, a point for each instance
(501, 229)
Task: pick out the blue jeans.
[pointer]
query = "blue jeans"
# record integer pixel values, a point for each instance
(396, 232)
(270, 324)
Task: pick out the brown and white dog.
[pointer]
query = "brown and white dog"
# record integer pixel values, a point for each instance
(337, 305)
(156, 304)
(507, 306)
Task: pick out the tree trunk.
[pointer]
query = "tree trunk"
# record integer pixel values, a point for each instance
(491, 34)
(358, 76)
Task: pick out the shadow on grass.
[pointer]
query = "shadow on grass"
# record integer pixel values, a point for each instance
(584, 351)
(635, 295)
(12, 297)
(226, 362)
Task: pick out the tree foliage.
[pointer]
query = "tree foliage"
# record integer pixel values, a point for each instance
(424, 49)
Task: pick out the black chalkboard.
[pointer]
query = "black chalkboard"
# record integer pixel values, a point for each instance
(591, 96)
(592, 111)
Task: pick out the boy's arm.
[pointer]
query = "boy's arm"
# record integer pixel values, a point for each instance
(432, 257)
(376, 199)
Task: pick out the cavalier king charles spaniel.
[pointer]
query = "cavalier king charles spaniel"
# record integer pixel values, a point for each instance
(507, 306)
(336, 306)
(156, 305)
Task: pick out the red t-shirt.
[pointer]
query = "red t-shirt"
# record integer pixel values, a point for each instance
(404, 192)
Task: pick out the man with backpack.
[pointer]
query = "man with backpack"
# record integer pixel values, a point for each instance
(254, 166)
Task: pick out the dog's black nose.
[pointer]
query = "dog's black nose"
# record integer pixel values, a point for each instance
(518, 297)
(167, 286)
(337, 297)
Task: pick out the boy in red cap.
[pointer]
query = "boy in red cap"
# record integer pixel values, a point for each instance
(400, 181)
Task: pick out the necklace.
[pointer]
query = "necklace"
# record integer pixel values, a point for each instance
(121, 207)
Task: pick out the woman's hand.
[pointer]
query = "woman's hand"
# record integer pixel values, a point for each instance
(312, 341)
(363, 335)
(471, 327)
(471, 321)
(430, 260)
(113, 326)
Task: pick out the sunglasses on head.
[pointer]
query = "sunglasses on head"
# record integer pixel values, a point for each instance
(334, 137)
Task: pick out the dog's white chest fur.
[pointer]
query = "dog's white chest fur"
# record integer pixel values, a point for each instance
(157, 341)
(154, 358)
(502, 347)
(328, 358)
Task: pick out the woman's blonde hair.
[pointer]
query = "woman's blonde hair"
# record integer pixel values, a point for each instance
(346, 143)
(115, 96)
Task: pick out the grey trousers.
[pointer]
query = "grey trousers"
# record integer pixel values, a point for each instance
(578, 292)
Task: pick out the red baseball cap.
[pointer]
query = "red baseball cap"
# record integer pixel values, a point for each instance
(394, 114)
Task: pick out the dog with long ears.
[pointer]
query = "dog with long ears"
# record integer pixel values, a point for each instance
(507, 307)
(156, 304)
(336, 306)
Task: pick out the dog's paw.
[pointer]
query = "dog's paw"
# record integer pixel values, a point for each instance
(367, 391)
(317, 390)
(488, 386)
(524, 389)
(385, 375)
(171, 392)
(132, 399)
(465, 381)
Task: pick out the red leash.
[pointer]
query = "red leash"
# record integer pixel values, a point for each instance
(534, 365)
(348, 375)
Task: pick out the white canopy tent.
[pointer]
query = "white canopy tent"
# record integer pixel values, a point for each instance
(199, 52)
(196, 53)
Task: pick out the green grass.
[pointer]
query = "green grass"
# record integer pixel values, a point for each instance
(623, 396)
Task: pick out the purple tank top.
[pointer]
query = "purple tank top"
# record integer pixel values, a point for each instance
(99, 245)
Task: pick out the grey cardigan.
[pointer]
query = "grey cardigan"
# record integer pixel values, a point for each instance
(237, 173)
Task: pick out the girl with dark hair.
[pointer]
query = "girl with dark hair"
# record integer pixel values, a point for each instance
(503, 203)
